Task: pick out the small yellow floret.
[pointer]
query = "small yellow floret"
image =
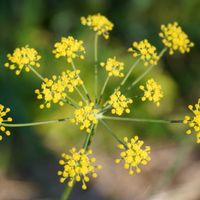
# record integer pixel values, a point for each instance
(175, 39)
(98, 23)
(194, 121)
(77, 166)
(119, 103)
(113, 67)
(54, 90)
(133, 155)
(23, 57)
(145, 51)
(152, 92)
(4, 119)
(69, 48)
(85, 116)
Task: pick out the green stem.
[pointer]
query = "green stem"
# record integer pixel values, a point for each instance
(88, 139)
(80, 94)
(103, 88)
(66, 193)
(146, 71)
(111, 132)
(35, 123)
(96, 65)
(143, 120)
(83, 86)
(36, 73)
(129, 72)
(71, 102)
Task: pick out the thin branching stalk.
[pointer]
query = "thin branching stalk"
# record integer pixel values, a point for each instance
(160, 121)
(96, 65)
(71, 102)
(36, 123)
(66, 193)
(83, 86)
(88, 139)
(103, 89)
(146, 71)
(80, 94)
(129, 72)
(111, 131)
(36, 73)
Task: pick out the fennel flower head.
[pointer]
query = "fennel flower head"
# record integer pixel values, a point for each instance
(194, 121)
(77, 167)
(4, 119)
(55, 90)
(133, 155)
(70, 48)
(175, 39)
(99, 23)
(119, 103)
(86, 116)
(145, 51)
(152, 91)
(23, 58)
(113, 67)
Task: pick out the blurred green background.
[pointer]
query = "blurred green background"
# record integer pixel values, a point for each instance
(30, 155)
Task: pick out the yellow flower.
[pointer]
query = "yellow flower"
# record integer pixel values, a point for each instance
(4, 119)
(133, 155)
(119, 103)
(54, 90)
(71, 79)
(194, 121)
(99, 24)
(145, 51)
(85, 116)
(69, 48)
(152, 92)
(113, 67)
(77, 166)
(174, 38)
(24, 57)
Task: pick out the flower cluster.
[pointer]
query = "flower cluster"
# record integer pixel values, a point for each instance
(133, 155)
(174, 38)
(113, 67)
(119, 103)
(71, 79)
(152, 92)
(54, 90)
(3, 113)
(24, 57)
(145, 51)
(77, 166)
(69, 48)
(194, 121)
(85, 116)
(99, 24)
